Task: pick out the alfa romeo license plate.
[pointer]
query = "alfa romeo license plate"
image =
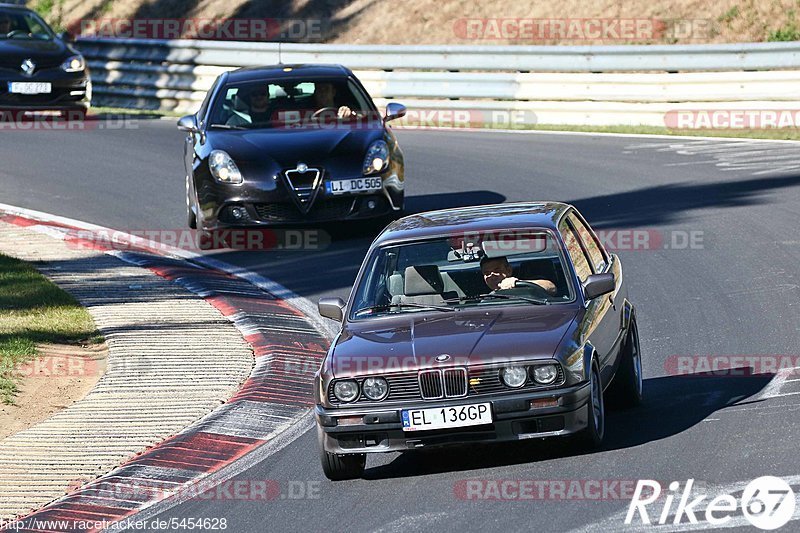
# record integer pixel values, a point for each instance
(447, 417)
(25, 87)
(353, 185)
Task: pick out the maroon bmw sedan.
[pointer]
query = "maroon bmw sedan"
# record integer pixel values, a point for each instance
(482, 324)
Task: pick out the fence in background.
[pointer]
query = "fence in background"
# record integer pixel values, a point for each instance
(578, 85)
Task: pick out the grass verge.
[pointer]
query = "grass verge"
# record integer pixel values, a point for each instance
(34, 310)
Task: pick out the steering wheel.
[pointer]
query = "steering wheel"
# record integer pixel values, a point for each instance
(538, 290)
(318, 113)
(14, 33)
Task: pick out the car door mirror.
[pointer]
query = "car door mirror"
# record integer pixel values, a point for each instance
(67, 37)
(598, 285)
(188, 124)
(332, 308)
(394, 110)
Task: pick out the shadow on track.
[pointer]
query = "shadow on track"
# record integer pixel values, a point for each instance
(663, 204)
(673, 404)
(429, 202)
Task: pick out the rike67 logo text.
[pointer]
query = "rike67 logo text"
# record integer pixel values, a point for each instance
(766, 503)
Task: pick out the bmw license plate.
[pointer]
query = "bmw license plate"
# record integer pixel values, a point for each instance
(25, 87)
(447, 417)
(353, 185)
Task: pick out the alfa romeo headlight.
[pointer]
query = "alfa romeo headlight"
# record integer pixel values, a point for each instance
(514, 376)
(223, 168)
(74, 64)
(377, 158)
(375, 389)
(346, 390)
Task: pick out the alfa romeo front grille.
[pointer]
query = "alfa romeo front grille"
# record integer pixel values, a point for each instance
(304, 184)
(323, 209)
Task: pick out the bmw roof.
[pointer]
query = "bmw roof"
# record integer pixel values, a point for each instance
(474, 219)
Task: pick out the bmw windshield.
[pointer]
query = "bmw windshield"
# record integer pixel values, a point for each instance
(447, 274)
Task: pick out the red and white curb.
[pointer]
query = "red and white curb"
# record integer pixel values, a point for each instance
(277, 397)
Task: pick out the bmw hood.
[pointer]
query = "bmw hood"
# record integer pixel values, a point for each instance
(414, 341)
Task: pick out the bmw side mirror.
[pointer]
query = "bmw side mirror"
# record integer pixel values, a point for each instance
(332, 308)
(394, 110)
(188, 124)
(598, 285)
(67, 37)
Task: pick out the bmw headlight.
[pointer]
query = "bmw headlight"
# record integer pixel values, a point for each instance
(377, 158)
(375, 389)
(346, 390)
(514, 376)
(223, 168)
(545, 374)
(74, 64)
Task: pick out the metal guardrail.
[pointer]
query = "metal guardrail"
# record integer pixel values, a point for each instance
(174, 75)
(670, 58)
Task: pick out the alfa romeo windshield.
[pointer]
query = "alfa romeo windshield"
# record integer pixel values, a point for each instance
(291, 104)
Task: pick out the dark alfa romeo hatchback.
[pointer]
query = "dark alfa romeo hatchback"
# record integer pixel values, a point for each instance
(290, 144)
(482, 324)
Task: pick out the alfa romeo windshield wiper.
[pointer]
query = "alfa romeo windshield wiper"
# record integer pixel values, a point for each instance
(396, 305)
(535, 301)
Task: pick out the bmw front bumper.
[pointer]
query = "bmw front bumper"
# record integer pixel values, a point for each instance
(380, 428)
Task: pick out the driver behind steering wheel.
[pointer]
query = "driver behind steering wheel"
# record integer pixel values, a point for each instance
(497, 274)
(324, 97)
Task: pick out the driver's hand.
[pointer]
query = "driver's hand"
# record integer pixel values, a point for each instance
(549, 286)
(508, 283)
(345, 112)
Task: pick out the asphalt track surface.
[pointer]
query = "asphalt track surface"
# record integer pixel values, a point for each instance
(734, 294)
